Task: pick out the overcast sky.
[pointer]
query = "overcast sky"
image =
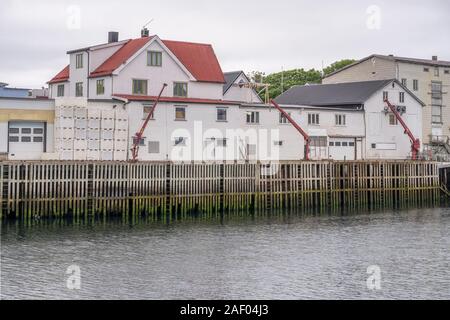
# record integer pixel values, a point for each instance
(246, 34)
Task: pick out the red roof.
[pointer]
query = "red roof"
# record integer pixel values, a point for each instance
(120, 57)
(199, 59)
(173, 99)
(62, 76)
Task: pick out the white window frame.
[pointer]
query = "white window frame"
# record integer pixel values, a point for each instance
(217, 114)
(175, 93)
(79, 61)
(314, 119)
(58, 94)
(79, 86)
(401, 97)
(252, 117)
(340, 120)
(152, 58)
(184, 111)
(133, 87)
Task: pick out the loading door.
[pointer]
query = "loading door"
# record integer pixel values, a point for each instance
(26, 140)
(342, 148)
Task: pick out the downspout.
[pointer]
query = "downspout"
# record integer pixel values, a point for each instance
(364, 142)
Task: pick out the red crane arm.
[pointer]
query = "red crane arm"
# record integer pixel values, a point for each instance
(296, 126)
(138, 136)
(415, 143)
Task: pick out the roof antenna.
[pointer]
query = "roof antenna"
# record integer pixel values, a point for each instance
(144, 30)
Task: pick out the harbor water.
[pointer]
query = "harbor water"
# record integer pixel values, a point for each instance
(390, 254)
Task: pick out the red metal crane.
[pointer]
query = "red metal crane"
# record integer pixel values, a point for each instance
(138, 136)
(296, 126)
(415, 143)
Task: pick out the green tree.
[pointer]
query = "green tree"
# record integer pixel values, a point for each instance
(281, 81)
(337, 65)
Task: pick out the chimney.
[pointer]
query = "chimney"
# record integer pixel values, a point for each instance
(113, 36)
(434, 58)
(145, 32)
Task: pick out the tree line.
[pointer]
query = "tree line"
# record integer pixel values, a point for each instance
(281, 81)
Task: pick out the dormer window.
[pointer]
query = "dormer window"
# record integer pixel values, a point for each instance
(79, 61)
(154, 58)
(180, 89)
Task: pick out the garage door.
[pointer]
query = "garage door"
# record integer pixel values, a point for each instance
(342, 148)
(26, 140)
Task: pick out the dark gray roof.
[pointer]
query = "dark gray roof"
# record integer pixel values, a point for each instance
(340, 94)
(427, 62)
(230, 78)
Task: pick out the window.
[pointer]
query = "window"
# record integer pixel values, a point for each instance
(153, 147)
(14, 130)
(283, 119)
(319, 141)
(385, 95)
(404, 82)
(25, 139)
(38, 131)
(13, 139)
(446, 71)
(139, 86)
(345, 144)
(79, 61)
(252, 117)
(180, 141)
(100, 87)
(154, 58)
(26, 130)
(426, 69)
(415, 85)
(180, 113)
(331, 144)
(146, 111)
(60, 90)
(351, 144)
(436, 114)
(180, 89)
(401, 97)
(221, 114)
(436, 71)
(38, 139)
(278, 143)
(337, 143)
(392, 120)
(221, 142)
(436, 102)
(313, 118)
(79, 89)
(340, 119)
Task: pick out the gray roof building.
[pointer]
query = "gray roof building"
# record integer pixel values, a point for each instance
(343, 95)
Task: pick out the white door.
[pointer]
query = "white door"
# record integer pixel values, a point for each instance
(342, 148)
(26, 140)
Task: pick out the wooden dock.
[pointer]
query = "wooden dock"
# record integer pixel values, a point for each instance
(83, 189)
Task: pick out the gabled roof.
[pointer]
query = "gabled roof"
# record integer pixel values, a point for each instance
(62, 76)
(199, 59)
(427, 62)
(120, 57)
(230, 78)
(340, 94)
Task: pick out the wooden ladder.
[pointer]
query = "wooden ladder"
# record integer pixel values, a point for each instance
(445, 190)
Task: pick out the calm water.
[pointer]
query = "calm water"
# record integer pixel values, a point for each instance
(272, 257)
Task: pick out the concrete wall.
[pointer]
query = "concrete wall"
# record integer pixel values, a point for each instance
(410, 72)
(371, 69)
